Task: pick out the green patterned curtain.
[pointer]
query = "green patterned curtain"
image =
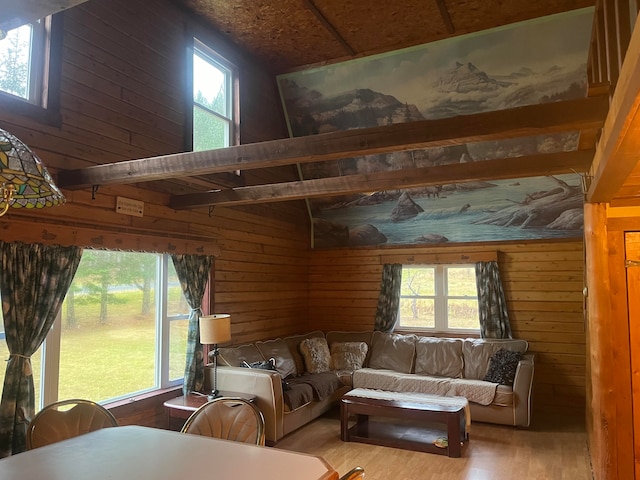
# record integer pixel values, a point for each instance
(33, 283)
(492, 306)
(193, 273)
(389, 298)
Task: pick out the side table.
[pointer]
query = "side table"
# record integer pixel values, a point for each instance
(180, 408)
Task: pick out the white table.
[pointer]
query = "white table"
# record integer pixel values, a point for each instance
(143, 453)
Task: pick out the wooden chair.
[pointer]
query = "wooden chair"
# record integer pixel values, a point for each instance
(356, 473)
(229, 418)
(65, 419)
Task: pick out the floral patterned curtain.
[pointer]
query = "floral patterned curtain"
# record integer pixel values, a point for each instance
(494, 319)
(389, 298)
(193, 273)
(34, 280)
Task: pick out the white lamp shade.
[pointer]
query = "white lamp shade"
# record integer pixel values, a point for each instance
(215, 328)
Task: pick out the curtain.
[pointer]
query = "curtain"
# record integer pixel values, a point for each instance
(193, 273)
(33, 283)
(492, 306)
(389, 298)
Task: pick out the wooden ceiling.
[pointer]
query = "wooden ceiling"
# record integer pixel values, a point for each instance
(289, 34)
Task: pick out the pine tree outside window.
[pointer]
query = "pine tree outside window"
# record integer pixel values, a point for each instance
(213, 100)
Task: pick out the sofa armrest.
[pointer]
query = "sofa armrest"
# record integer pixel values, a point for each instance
(266, 385)
(522, 386)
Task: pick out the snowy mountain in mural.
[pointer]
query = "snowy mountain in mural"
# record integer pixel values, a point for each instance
(528, 63)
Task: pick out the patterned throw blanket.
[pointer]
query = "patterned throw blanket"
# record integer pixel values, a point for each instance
(477, 391)
(310, 386)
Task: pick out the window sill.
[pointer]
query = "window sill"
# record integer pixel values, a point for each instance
(143, 396)
(423, 332)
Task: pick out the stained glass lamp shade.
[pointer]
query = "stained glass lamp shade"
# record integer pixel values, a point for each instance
(24, 180)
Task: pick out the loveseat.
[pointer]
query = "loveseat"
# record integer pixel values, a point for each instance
(313, 371)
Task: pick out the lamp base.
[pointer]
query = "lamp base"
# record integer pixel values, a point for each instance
(214, 394)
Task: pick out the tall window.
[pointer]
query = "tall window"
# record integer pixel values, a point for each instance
(213, 99)
(23, 61)
(442, 298)
(122, 330)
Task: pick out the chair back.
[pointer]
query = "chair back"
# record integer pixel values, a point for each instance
(229, 418)
(65, 419)
(356, 473)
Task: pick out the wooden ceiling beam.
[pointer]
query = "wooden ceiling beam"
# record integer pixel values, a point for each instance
(484, 170)
(14, 14)
(329, 26)
(570, 115)
(446, 18)
(619, 146)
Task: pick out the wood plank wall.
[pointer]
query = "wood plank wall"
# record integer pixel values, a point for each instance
(543, 283)
(122, 97)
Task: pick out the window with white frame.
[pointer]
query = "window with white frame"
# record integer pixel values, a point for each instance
(23, 61)
(441, 298)
(122, 330)
(213, 99)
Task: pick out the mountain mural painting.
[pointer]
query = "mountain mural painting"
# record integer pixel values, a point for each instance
(527, 63)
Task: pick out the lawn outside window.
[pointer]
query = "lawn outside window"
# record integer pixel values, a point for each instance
(439, 299)
(121, 332)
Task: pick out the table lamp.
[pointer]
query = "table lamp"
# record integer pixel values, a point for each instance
(215, 329)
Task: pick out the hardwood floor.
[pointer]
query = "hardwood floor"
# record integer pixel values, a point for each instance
(553, 448)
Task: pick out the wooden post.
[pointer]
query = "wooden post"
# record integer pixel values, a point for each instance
(599, 414)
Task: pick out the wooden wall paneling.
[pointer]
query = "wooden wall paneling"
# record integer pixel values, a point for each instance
(619, 328)
(543, 284)
(600, 401)
(632, 244)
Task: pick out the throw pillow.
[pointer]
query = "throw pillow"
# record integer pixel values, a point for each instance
(502, 367)
(315, 352)
(348, 355)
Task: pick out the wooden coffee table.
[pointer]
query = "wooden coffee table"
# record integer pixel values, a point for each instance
(427, 423)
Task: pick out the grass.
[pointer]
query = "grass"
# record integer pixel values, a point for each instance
(102, 361)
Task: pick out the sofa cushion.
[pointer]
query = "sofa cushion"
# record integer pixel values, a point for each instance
(440, 357)
(315, 352)
(477, 353)
(392, 351)
(278, 350)
(348, 355)
(341, 337)
(234, 356)
(293, 342)
(502, 367)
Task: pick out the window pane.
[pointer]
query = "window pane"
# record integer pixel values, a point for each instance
(15, 59)
(461, 282)
(209, 85)
(418, 281)
(463, 314)
(178, 330)
(176, 303)
(209, 131)
(178, 327)
(108, 340)
(415, 312)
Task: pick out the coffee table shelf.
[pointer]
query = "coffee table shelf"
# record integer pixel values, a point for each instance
(414, 422)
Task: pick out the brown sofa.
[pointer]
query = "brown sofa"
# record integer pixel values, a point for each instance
(393, 362)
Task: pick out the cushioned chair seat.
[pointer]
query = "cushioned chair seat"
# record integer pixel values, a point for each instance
(228, 418)
(66, 419)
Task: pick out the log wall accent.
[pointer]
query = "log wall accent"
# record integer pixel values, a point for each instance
(123, 97)
(610, 329)
(543, 284)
